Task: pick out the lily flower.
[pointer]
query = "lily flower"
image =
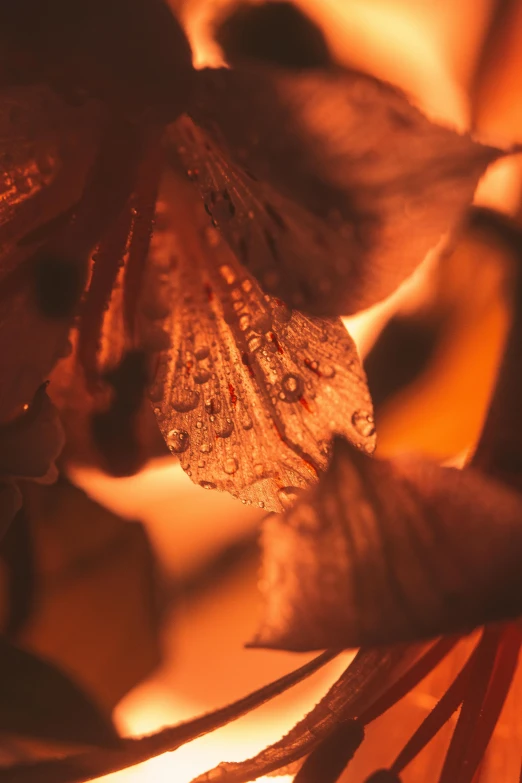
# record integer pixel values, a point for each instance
(284, 197)
(322, 188)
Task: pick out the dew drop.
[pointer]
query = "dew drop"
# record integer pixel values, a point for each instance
(224, 428)
(201, 352)
(178, 441)
(246, 422)
(288, 495)
(292, 387)
(255, 343)
(207, 485)
(205, 448)
(228, 274)
(262, 323)
(328, 370)
(363, 423)
(199, 424)
(259, 469)
(184, 399)
(202, 376)
(213, 405)
(261, 504)
(231, 465)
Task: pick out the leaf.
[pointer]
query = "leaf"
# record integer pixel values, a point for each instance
(37, 700)
(329, 186)
(96, 587)
(384, 551)
(85, 766)
(361, 683)
(246, 392)
(327, 762)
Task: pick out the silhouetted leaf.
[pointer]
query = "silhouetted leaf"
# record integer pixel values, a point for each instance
(37, 700)
(329, 185)
(386, 551)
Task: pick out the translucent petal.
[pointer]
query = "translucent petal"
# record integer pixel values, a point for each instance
(247, 392)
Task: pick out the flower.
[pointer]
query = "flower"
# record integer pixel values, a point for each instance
(322, 189)
(313, 215)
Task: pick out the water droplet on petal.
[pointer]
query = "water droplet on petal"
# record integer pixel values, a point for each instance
(213, 405)
(231, 465)
(363, 423)
(178, 441)
(207, 485)
(184, 399)
(328, 370)
(202, 376)
(201, 352)
(288, 495)
(206, 448)
(292, 387)
(224, 428)
(228, 274)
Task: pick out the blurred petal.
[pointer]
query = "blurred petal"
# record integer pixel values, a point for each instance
(30, 444)
(432, 371)
(246, 392)
(496, 92)
(499, 451)
(383, 551)
(10, 503)
(38, 700)
(278, 33)
(96, 588)
(328, 185)
(48, 148)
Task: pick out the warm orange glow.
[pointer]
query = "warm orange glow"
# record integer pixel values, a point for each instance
(420, 47)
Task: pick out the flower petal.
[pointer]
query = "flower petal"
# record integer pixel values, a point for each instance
(499, 451)
(385, 551)
(329, 184)
(247, 393)
(48, 149)
(30, 444)
(38, 700)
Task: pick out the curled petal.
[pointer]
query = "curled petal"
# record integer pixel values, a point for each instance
(337, 185)
(385, 551)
